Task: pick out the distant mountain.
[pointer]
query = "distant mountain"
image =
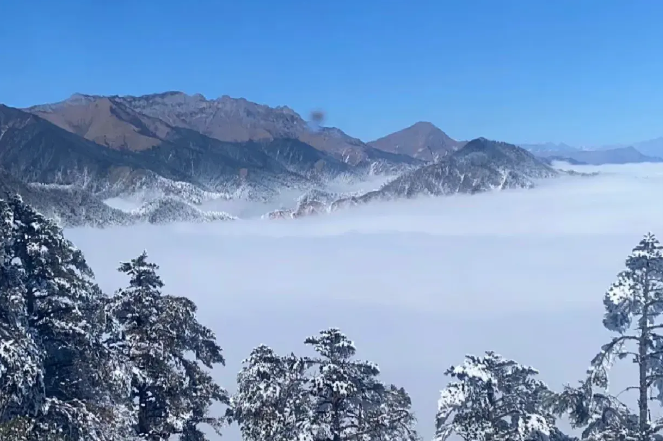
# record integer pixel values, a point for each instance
(553, 158)
(185, 163)
(645, 151)
(549, 147)
(92, 148)
(143, 122)
(479, 166)
(174, 151)
(422, 140)
(652, 147)
(622, 155)
(106, 122)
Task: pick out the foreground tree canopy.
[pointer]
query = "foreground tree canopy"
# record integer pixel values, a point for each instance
(79, 365)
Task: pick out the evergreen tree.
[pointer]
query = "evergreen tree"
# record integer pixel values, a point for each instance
(21, 373)
(349, 402)
(50, 293)
(172, 392)
(330, 397)
(633, 308)
(272, 402)
(601, 416)
(495, 399)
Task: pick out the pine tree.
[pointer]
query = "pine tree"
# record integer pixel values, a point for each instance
(349, 402)
(633, 308)
(21, 373)
(272, 402)
(495, 399)
(59, 309)
(172, 392)
(601, 416)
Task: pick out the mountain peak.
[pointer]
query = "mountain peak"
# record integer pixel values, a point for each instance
(424, 125)
(423, 140)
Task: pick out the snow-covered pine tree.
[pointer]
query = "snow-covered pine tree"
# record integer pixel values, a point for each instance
(633, 308)
(349, 402)
(168, 350)
(601, 416)
(62, 310)
(495, 399)
(21, 363)
(272, 401)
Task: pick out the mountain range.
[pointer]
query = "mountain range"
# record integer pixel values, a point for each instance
(648, 151)
(176, 151)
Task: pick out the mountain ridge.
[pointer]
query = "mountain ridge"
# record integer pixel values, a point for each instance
(479, 166)
(226, 119)
(177, 150)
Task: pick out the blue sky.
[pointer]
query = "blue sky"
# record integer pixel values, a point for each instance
(578, 71)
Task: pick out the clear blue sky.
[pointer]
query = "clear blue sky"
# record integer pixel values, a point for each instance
(579, 71)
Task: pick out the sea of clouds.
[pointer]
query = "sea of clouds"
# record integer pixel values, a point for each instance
(417, 284)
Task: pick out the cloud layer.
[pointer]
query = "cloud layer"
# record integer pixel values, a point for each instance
(417, 284)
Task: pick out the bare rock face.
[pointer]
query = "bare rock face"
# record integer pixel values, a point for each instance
(106, 122)
(238, 120)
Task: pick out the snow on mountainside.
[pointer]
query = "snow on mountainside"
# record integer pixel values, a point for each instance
(72, 207)
(481, 165)
(172, 151)
(168, 210)
(210, 143)
(35, 150)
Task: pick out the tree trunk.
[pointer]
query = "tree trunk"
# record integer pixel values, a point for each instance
(336, 421)
(143, 421)
(643, 340)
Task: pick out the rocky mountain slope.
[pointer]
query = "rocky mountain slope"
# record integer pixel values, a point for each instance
(422, 140)
(143, 122)
(175, 151)
(479, 166)
(90, 148)
(184, 163)
(74, 207)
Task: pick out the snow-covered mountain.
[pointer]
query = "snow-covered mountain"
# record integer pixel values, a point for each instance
(74, 207)
(173, 151)
(101, 147)
(479, 166)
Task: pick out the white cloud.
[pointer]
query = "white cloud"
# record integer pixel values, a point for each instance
(417, 283)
